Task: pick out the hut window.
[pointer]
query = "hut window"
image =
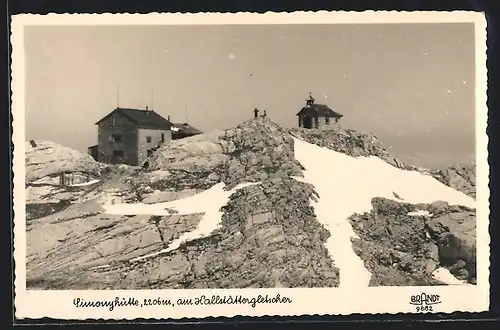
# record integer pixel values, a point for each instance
(327, 120)
(148, 139)
(116, 138)
(162, 137)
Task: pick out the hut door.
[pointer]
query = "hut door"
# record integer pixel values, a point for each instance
(117, 157)
(307, 122)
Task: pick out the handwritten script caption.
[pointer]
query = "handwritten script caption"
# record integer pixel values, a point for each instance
(202, 300)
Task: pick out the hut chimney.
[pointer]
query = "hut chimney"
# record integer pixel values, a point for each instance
(146, 108)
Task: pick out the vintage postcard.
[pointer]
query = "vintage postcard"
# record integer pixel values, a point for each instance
(174, 166)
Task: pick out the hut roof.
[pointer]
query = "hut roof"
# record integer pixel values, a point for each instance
(319, 110)
(142, 118)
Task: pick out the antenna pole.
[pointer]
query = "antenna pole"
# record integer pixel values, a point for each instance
(118, 95)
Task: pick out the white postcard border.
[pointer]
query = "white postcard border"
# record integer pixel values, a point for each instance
(324, 301)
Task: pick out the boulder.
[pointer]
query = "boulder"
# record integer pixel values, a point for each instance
(48, 159)
(455, 235)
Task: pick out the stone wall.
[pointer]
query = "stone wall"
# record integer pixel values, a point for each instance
(116, 124)
(331, 124)
(320, 122)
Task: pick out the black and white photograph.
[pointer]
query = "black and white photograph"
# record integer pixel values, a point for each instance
(251, 156)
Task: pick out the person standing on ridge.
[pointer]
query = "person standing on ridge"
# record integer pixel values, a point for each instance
(256, 113)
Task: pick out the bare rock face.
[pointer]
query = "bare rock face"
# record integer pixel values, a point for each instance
(63, 248)
(454, 230)
(192, 162)
(259, 149)
(269, 238)
(402, 249)
(264, 241)
(458, 177)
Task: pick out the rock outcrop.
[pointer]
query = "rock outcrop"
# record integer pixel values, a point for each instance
(48, 159)
(453, 228)
(401, 248)
(458, 177)
(251, 152)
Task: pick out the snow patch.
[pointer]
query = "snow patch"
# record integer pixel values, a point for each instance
(346, 185)
(100, 267)
(419, 213)
(444, 275)
(208, 202)
(83, 184)
(48, 180)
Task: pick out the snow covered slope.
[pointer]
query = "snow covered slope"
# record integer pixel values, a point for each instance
(346, 186)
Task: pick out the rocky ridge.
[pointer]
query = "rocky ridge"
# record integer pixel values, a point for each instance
(349, 142)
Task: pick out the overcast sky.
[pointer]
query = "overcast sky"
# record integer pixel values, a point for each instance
(411, 85)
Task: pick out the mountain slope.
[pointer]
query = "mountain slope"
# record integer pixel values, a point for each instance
(346, 186)
(251, 206)
(268, 234)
